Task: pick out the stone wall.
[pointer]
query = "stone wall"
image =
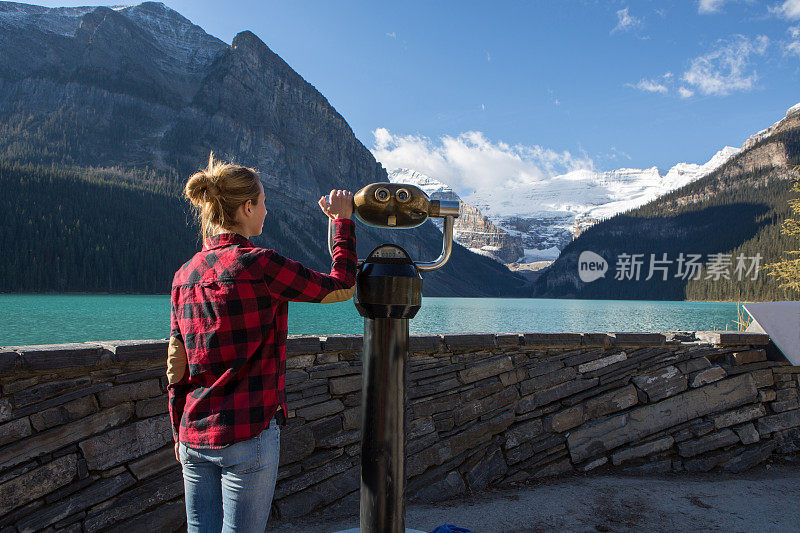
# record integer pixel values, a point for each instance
(85, 443)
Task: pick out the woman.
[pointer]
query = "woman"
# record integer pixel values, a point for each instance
(227, 350)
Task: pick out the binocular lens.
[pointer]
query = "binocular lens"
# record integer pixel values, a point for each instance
(382, 195)
(402, 195)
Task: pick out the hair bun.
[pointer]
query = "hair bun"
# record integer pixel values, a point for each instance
(217, 192)
(211, 188)
(201, 188)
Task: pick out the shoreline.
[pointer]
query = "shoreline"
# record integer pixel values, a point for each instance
(78, 293)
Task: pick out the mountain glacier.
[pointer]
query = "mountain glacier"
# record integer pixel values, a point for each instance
(547, 214)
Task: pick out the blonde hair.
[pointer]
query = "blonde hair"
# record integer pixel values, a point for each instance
(218, 191)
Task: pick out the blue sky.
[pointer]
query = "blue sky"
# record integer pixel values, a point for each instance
(559, 85)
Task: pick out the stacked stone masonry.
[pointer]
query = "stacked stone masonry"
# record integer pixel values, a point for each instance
(85, 441)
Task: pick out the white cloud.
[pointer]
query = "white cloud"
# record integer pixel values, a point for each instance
(710, 6)
(727, 68)
(761, 44)
(488, 56)
(470, 161)
(392, 35)
(650, 86)
(661, 85)
(625, 21)
(790, 9)
(792, 47)
(615, 154)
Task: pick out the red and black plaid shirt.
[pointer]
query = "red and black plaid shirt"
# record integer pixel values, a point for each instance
(229, 308)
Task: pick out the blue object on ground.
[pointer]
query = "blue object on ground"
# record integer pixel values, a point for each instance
(450, 528)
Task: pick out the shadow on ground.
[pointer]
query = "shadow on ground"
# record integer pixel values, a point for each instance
(764, 499)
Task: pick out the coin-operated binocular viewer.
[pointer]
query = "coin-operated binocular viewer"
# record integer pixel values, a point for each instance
(388, 293)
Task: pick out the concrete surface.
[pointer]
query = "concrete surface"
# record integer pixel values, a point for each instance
(763, 499)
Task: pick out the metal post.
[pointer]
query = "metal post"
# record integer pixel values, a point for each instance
(383, 429)
(388, 293)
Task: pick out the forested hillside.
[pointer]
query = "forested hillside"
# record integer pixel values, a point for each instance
(77, 230)
(66, 230)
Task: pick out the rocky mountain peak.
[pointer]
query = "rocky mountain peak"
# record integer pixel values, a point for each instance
(255, 52)
(257, 55)
(147, 49)
(177, 36)
(155, 9)
(248, 40)
(60, 21)
(791, 119)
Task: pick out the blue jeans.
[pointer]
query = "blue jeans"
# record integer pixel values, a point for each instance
(231, 489)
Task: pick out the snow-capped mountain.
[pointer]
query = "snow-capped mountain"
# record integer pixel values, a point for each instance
(435, 189)
(628, 188)
(546, 215)
(471, 229)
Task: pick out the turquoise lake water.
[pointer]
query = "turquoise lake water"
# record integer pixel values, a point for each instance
(45, 319)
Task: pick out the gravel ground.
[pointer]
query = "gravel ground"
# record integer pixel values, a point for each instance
(763, 499)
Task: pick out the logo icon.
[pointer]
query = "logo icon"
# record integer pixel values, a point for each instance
(591, 266)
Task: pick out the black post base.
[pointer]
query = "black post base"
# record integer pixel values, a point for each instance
(383, 425)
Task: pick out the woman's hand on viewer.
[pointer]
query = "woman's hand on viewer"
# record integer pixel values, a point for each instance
(338, 205)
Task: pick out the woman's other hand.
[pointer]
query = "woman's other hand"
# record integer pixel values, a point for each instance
(177, 454)
(338, 205)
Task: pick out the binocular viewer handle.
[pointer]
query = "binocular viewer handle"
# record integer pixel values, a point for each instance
(447, 246)
(403, 206)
